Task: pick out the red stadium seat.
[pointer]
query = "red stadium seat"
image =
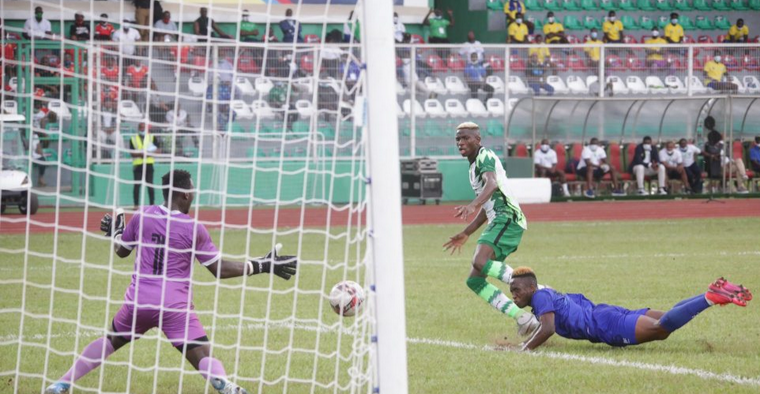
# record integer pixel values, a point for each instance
(455, 62)
(614, 63)
(496, 62)
(520, 150)
(705, 39)
(732, 65)
(307, 63)
(721, 38)
(416, 39)
(630, 151)
(558, 62)
(246, 64)
(634, 63)
(435, 62)
(750, 63)
(516, 63)
(615, 156)
(572, 39)
(562, 161)
(629, 39)
(757, 39)
(675, 62)
(311, 39)
(576, 63)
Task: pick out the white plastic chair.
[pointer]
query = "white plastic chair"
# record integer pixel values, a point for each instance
(455, 108)
(13, 84)
(696, 85)
(419, 112)
(590, 80)
(455, 85)
(496, 83)
(60, 109)
(738, 82)
(197, 86)
(475, 107)
(558, 84)
(517, 86)
(305, 84)
(10, 107)
(511, 104)
(618, 86)
(675, 85)
(305, 109)
(635, 85)
(245, 86)
(495, 107)
(129, 110)
(434, 108)
(263, 85)
(241, 109)
(400, 89)
(751, 83)
(576, 85)
(655, 85)
(400, 111)
(262, 110)
(435, 85)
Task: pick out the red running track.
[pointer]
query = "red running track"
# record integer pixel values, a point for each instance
(416, 214)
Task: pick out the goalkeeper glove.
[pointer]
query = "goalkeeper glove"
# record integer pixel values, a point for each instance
(111, 227)
(282, 266)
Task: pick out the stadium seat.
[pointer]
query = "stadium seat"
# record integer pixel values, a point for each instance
(576, 85)
(627, 5)
(495, 5)
(244, 85)
(592, 23)
(704, 23)
(558, 62)
(701, 5)
(558, 84)
(263, 85)
(306, 63)
(655, 85)
(262, 110)
(732, 64)
(520, 150)
(416, 39)
(495, 107)
(455, 108)
(686, 22)
(496, 83)
(754, 4)
(571, 5)
(572, 39)
(664, 5)
(476, 108)
(614, 63)
(738, 82)
(738, 5)
(455, 85)
(495, 128)
(129, 110)
(311, 39)
(607, 5)
(533, 5)
(241, 110)
(517, 86)
(516, 63)
(306, 85)
(646, 23)
(720, 5)
(618, 86)
(589, 5)
(629, 23)
(419, 112)
(696, 85)
(553, 5)
(306, 109)
(455, 62)
(573, 23)
(616, 159)
(435, 63)
(60, 109)
(576, 63)
(645, 5)
(683, 5)
(495, 62)
(635, 85)
(750, 63)
(400, 111)
(634, 63)
(629, 39)
(590, 80)
(663, 21)
(247, 65)
(435, 85)
(10, 107)
(538, 24)
(751, 83)
(197, 86)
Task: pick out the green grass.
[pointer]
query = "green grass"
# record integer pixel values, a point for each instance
(632, 264)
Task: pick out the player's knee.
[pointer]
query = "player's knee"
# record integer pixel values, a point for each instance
(479, 264)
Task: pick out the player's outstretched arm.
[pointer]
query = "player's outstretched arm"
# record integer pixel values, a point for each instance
(465, 211)
(456, 242)
(282, 266)
(544, 332)
(115, 229)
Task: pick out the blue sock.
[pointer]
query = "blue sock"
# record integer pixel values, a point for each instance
(683, 312)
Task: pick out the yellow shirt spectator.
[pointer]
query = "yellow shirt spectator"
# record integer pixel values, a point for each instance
(674, 32)
(714, 71)
(593, 52)
(612, 30)
(549, 28)
(735, 33)
(654, 55)
(512, 9)
(542, 53)
(518, 32)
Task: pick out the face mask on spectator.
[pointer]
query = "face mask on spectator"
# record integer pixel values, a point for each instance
(518, 20)
(674, 21)
(38, 16)
(655, 33)
(647, 146)
(551, 19)
(593, 147)
(670, 151)
(594, 34)
(684, 148)
(717, 59)
(613, 18)
(102, 23)
(544, 148)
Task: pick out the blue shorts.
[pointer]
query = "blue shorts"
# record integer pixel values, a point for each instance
(616, 326)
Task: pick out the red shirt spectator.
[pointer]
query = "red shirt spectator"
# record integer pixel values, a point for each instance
(109, 94)
(137, 75)
(110, 71)
(104, 30)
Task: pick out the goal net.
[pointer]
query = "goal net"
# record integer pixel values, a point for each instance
(271, 109)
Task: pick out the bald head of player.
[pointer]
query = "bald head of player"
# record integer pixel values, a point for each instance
(179, 185)
(468, 140)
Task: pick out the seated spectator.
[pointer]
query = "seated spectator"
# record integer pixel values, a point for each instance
(514, 7)
(593, 53)
(542, 51)
(593, 165)
(738, 32)
(554, 31)
(79, 30)
(224, 95)
(439, 26)
(204, 25)
(716, 161)
(674, 30)
(110, 70)
(754, 155)
(517, 32)
(536, 74)
(291, 28)
(545, 163)
(715, 72)
(472, 46)
(9, 53)
(475, 74)
(689, 153)
(178, 120)
(613, 29)
(165, 28)
(104, 30)
(645, 164)
(249, 32)
(37, 27)
(127, 36)
(399, 29)
(671, 159)
(654, 54)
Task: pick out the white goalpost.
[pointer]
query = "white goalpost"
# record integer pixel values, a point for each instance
(287, 143)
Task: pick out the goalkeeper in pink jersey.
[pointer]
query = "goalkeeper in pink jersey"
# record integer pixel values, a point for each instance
(166, 240)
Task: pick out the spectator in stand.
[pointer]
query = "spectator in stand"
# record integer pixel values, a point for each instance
(716, 160)
(271, 37)
(655, 61)
(351, 29)
(472, 46)
(224, 96)
(204, 25)
(399, 29)
(738, 32)
(143, 147)
(142, 17)
(514, 7)
(593, 52)
(613, 29)
(715, 72)
(517, 32)
(689, 153)
(475, 74)
(165, 28)
(542, 51)
(439, 26)
(545, 163)
(674, 30)
(179, 121)
(754, 155)
(671, 159)
(138, 79)
(38, 27)
(593, 165)
(536, 74)
(110, 70)
(79, 30)
(9, 53)
(249, 31)
(645, 163)
(127, 36)
(291, 28)
(104, 30)
(554, 31)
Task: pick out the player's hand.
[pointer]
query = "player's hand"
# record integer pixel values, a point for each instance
(282, 266)
(111, 227)
(105, 224)
(456, 242)
(465, 211)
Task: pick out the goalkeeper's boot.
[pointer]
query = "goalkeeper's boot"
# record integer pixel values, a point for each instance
(723, 292)
(527, 324)
(225, 387)
(58, 388)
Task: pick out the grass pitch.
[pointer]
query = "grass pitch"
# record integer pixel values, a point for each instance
(452, 332)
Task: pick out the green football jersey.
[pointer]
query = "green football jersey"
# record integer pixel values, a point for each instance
(439, 27)
(500, 205)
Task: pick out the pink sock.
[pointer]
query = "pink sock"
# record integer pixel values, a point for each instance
(91, 358)
(210, 367)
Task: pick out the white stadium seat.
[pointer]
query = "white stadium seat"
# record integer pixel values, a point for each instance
(475, 107)
(635, 85)
(435, 85)
(455, 108)
(751, 83)
(263, 85)
(419, 112)
(241, 109)
(400, 89)
(262, 109)
(197, 86)
(738, 82)
(511, 104)
(400, 111)
(496, 83)
(305, 84)
(517, 86)
(13, 84)
(495, 107)
(10, 107)
(576, 85)
(305, 109)
(129, 110)
(244, 85)
(434, 108)
(618, 87)
(558, 84)
(655, 85)
(455, 85)
(675, 85)
(696, 85)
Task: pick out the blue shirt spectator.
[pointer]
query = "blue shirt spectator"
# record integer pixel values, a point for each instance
(291, 29)
(754, 155)
(475, 73)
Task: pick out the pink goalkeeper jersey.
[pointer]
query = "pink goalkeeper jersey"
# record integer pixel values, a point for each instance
(165, 265)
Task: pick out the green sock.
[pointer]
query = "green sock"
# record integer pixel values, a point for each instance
(498, 270)
(492, 295)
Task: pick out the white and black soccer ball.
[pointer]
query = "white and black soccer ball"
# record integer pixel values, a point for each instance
(346, 298)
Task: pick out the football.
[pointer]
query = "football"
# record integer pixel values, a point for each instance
(346, 298)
